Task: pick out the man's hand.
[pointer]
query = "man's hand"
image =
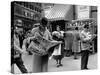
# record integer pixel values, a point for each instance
(54, 41)
(24, 52)
(60, 42)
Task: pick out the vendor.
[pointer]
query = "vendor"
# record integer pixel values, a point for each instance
(40, 63)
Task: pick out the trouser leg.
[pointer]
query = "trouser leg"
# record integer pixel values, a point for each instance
(44, 63)
(87, 57)
(84, 59)
(37, 63)
(20, 65)
(75, 55)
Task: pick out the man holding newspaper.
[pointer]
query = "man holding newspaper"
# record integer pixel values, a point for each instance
(40, 43)
(86, 39)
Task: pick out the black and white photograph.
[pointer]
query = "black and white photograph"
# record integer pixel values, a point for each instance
(53, 37)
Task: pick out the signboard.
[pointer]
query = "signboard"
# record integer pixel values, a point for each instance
(27, 13)
(83, 12)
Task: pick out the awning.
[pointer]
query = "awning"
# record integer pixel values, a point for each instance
(59, 12)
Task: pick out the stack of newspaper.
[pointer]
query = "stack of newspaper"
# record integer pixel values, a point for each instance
(40, 46)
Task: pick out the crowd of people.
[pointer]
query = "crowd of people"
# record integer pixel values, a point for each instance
(71, 42)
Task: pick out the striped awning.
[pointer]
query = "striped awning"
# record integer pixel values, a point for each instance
(58, 12)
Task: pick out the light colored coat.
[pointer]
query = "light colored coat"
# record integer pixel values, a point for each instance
(68, 40)
(85, 37)
(76, 42)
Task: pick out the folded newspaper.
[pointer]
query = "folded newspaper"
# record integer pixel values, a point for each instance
(40, 46)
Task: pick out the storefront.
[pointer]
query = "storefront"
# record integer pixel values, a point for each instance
(59, 15)
(28, 12)
(92, 27)
(84, 15)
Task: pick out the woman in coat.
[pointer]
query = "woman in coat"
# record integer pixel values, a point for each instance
(76, 42)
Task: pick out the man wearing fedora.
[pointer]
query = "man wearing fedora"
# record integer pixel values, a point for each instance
(40, 63)
(16, 47)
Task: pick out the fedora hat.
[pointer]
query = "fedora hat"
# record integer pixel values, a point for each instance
(18, 23)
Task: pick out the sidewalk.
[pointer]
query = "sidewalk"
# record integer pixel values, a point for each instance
(69, 64)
